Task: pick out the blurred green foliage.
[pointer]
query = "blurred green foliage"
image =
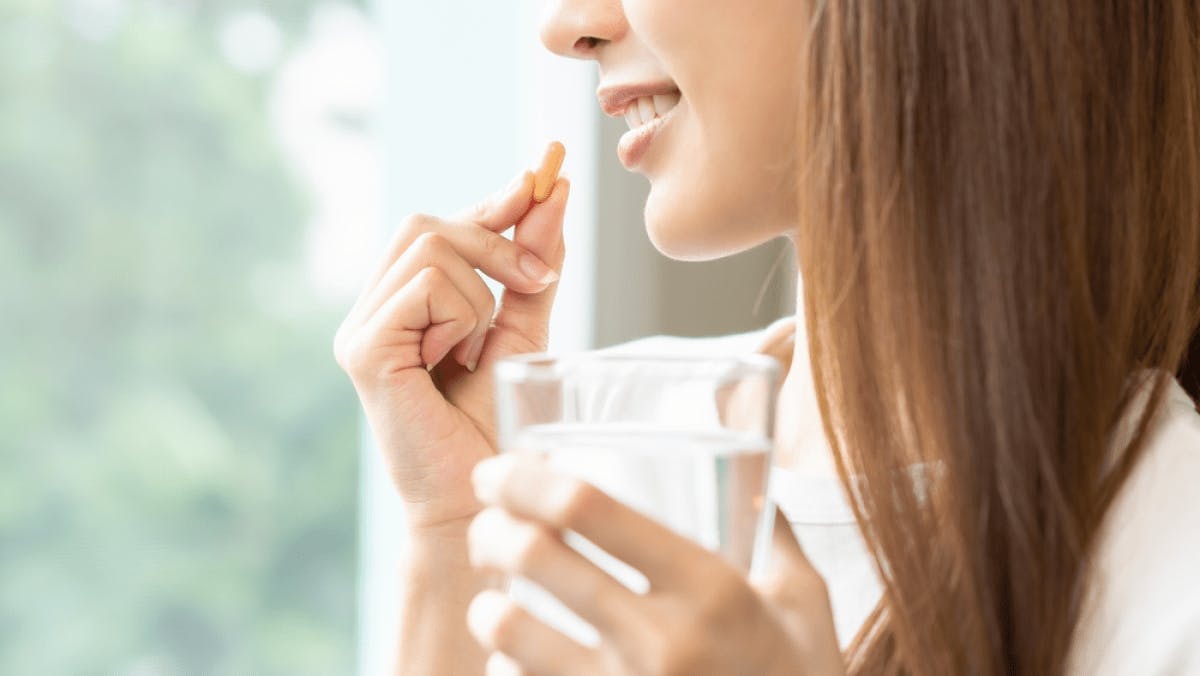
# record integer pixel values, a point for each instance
(178, 482)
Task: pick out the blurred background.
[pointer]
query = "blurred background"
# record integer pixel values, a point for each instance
(188, 191)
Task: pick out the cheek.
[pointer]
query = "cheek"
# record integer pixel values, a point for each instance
(708, 210)
(726, 179)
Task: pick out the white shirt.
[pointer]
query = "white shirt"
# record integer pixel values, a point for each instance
(1141, 614)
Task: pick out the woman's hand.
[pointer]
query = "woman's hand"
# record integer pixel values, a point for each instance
(418, 342)
(700, 615)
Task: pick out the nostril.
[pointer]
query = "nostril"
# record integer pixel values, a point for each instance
(586, 44)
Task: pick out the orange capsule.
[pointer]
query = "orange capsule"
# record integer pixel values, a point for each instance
(547, 174)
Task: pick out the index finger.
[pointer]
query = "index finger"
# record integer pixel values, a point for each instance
(530, 489)
(503, 209)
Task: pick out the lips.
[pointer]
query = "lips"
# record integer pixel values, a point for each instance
(646, 109)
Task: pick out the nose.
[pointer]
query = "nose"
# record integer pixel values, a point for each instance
(578, 29)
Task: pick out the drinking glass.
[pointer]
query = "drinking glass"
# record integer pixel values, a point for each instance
(684, 440)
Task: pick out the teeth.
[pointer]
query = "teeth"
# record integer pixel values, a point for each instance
(633, 117)
(648, 108)
(665, 103)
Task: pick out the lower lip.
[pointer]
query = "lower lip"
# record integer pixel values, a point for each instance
(636, 142)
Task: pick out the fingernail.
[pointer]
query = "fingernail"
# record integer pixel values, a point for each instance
(499, 664)
(484, 612)
(536, 270)
(474, 352)
(488, 476)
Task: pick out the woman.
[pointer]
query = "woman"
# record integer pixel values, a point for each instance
(995, 209)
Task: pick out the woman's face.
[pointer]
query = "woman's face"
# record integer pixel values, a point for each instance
(709, 89)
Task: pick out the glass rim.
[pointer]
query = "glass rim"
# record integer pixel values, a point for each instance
(540, 366)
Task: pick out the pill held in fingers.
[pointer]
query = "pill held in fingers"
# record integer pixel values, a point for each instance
(547, 174)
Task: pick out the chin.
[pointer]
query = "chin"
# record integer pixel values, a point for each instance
(682, 245)
(686, 228)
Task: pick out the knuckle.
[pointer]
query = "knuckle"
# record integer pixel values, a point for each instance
(428, 278)
(415, 224)
(429, 244)
(347, 359)
(480, 210)
(339, 347)
(356, 354)
(410, 228)
(489, 242)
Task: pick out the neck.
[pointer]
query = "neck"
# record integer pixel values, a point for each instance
(798, 431)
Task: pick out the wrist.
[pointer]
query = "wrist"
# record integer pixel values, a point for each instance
(440, 533)
(442, 544)
(439, 551)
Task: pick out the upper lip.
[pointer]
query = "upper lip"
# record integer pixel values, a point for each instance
(614, 99)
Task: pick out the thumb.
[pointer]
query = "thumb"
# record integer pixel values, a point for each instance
(796, 591)
(527, 315)
(784, 539)
(787, 564)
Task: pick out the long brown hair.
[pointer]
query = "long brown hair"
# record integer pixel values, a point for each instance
(1000, 228)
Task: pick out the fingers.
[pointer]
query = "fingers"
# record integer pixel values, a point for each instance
(500, 625)
(497, 257)
(540, 231)
(530, 489)
(428, 316)
(493, 254)
(425, 241)
(499, 664)
(502, 210)
(501, 543)
(458, 249)
(508, 205)
(476, 230)
(434, 251)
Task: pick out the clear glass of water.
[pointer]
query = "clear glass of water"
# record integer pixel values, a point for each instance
(684, 440)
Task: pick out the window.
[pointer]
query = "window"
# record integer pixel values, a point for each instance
(180, 487)
(472, 99)
(189, 190)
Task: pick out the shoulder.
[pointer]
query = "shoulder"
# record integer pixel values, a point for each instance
(1142, 610)
(759, 340)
